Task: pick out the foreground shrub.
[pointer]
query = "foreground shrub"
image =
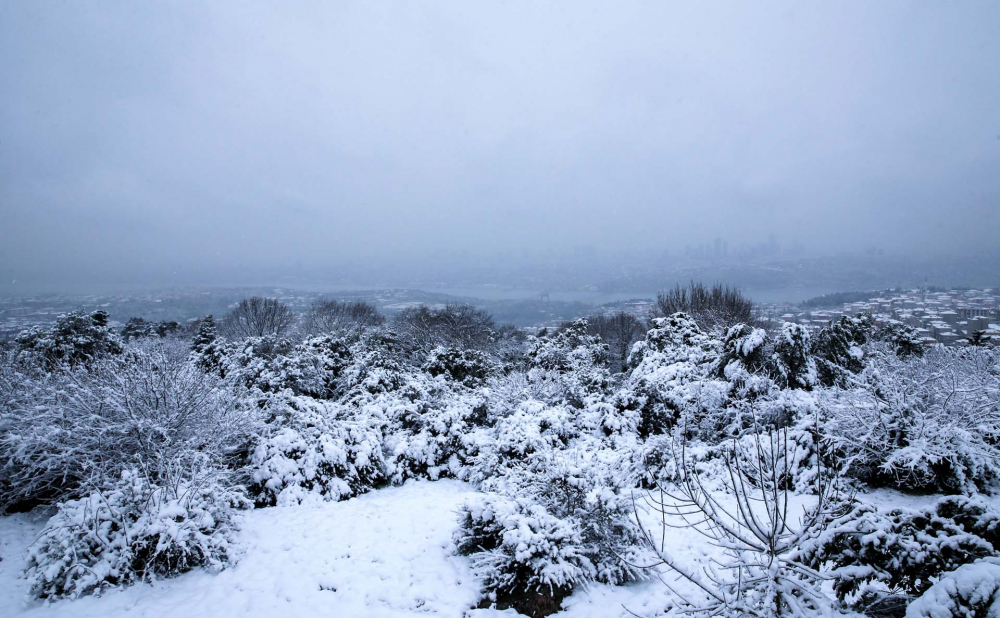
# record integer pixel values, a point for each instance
(562, 519)
(970, 591)
(316, 450)
(527, 558)
(148, 405)
(435, 439)
(886, 559)
(583, 486)
(925, 424)
(742, 507)
(134, 530)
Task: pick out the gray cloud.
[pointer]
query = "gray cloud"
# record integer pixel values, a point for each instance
(142, 138)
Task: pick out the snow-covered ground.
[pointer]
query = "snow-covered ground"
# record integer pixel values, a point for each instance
(382, 554)
(385, 553)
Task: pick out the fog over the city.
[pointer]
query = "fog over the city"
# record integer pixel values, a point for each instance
(138, 138)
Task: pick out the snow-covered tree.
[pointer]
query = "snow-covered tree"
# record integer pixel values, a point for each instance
(454, 325)
(838, 349)
(572, 358)
(670, 375)
(714, 308)
(901, 337)
(258, 317)
(794, 366)
(76, 338)
(345, 318)
(619, 331)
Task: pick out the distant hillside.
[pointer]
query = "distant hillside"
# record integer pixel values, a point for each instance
(838, 298)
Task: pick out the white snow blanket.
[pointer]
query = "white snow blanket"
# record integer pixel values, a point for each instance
(387, 553)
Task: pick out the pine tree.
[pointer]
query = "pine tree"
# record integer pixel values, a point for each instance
(837, 348)
(208, 350)
(207, 333)
(793, 365)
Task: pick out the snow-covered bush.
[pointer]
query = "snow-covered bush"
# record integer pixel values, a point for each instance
(574, 503)
(527, 558)
(437, 439)
(929, 423)
(209, 352)
(316, 450)
(377, 365)
(508, 348)
(148, 406)
(574, 360)
(744, 347)
(505, 393)
(901, 338)
(586, 485)
(137, 328)
(611, 420)
(134, 530)
(467, 367)
(838, 349)
(792, 364)
(272, 364)
(533, 429)
(257, 362)
(877, 557)
(671, 375)
(970, 591)
(656, 462)
(320, 362)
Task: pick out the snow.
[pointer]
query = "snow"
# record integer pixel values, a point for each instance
(968, 590)
(387, 553)
(560, 441)
(16, 533)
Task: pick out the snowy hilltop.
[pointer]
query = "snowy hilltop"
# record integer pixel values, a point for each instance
(701, 463)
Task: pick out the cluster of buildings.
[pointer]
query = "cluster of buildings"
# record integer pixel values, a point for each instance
(949, 318)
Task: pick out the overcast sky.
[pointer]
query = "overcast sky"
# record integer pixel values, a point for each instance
(200, 135)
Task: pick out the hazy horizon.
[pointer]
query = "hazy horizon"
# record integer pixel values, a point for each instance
(191, 143)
